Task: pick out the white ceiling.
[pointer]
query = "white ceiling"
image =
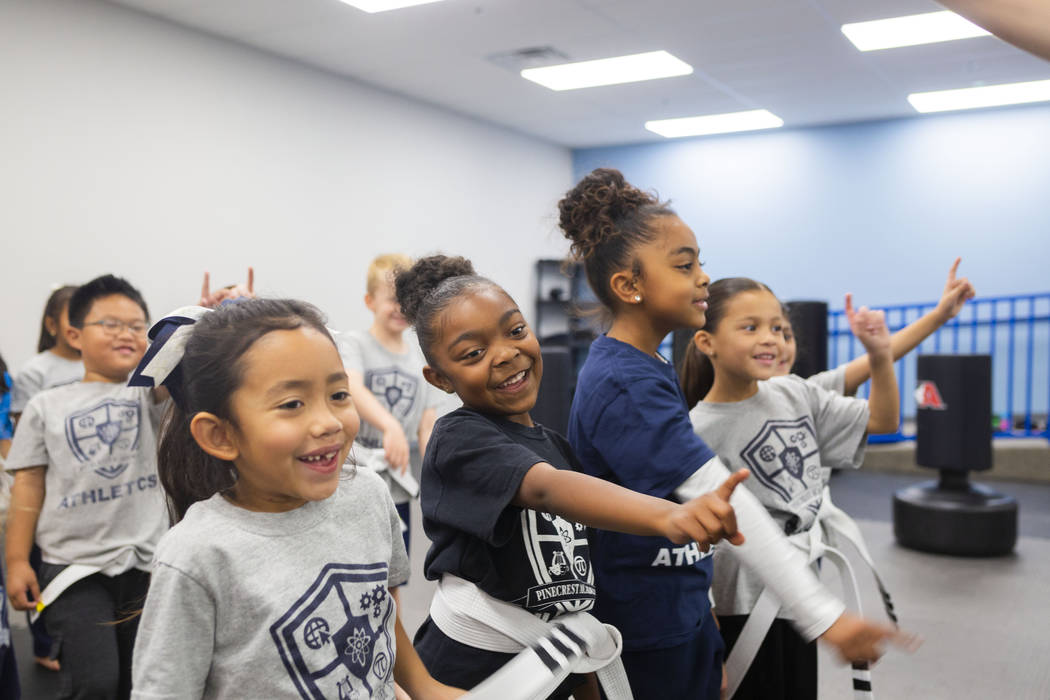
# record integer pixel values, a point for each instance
(787, 56)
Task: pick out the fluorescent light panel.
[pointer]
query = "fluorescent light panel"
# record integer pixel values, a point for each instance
(986, 96)
(608, 71)
(928, 28)
(715, 123)
(374, 6)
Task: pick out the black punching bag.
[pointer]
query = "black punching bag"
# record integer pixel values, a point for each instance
(954, 435)
(809, 320)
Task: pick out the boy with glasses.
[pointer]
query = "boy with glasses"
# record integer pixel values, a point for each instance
(86, 490)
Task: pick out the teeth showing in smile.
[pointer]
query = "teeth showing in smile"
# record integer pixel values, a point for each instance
(319, 458)
(765, 357)
(515, 379)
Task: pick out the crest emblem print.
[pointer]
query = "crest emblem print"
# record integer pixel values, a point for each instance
(778, 455)
(100, 431)
(335, 640)
(396, 389)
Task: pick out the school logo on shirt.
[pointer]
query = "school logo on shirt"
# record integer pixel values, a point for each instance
(395, 388)
(95, 433)
(335, 640)
(560, 559)
(778, 457)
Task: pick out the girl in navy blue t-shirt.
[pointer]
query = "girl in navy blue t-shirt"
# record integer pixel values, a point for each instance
(629, 425)
(502, 504)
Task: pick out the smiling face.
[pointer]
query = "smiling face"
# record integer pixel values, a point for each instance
(382, 302)
(110, 356)
(748, 341)
(486, 354)
(293, 421)
(672, 285)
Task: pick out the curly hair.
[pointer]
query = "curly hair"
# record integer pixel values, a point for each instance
(606, 218)
(428, 287)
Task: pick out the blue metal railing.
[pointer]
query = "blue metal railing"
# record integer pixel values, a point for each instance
(1014, 330)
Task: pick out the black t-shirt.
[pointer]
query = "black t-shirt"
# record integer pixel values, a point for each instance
(473, 467)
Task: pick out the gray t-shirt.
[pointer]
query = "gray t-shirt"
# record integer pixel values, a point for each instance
(785, 435)
(396, 379)
(103, 504)
(45, 370)
(831, 379)
(275, 605)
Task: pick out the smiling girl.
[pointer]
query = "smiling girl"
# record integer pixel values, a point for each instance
(275, 580)
(502, 505)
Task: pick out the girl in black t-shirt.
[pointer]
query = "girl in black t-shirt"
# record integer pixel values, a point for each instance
(501, 501)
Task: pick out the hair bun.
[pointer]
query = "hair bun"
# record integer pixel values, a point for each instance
(591, 211)
(412, 286)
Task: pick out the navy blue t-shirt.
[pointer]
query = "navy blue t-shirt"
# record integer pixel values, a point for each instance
(629, 425)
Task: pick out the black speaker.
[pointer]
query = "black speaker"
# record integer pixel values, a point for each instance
(809, 320)
(555, 396)
(954, 436)
(954, 412)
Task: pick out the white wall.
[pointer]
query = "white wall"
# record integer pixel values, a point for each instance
(134, 146)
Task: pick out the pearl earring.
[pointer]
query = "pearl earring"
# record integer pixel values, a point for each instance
(637, 297)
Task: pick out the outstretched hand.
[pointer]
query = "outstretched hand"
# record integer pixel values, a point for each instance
(708, 518)
(869, 327)
(211, 299)
(955, 295)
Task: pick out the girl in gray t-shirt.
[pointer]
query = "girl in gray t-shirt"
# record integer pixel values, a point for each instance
(785, 432)
(275, 579)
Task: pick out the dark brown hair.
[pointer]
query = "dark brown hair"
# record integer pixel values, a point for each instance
(428, 287)
(87, 294)
(209, 373)
(607, 218)
(58, 300)
(697, 374)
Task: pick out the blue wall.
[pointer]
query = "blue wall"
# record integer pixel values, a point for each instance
(877, 208)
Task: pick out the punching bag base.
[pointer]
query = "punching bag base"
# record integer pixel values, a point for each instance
(968, 520)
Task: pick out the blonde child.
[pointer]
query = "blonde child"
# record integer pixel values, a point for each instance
(397, 407)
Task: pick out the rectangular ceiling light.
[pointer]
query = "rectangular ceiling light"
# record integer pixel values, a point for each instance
(986, 96)
(928, 28)
(384, 5)
(715, 123)
(608, 71)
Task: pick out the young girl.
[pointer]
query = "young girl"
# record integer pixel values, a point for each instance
(56, 362)
(275, 580)
(629, 425)
(502, 506)
(787, 432)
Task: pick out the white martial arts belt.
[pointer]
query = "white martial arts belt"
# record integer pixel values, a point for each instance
(839, 526)
(547, 652)
(65, 578)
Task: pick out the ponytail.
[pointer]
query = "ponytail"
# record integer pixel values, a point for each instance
(696, 375)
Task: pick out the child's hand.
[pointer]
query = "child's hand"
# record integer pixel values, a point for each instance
(708, 518)
(395, 447)
(955, 295)
(859, 640)
(20, 577)
(211, 300)
(869, 327)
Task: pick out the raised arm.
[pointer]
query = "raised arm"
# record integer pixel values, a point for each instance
(1023, 23)
(955, 295)
(884, 399)
(706, 519)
